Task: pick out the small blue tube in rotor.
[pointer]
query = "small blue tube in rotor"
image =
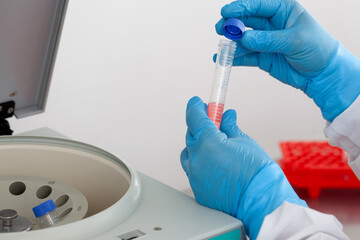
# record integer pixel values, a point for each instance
(44, 208)
(233, 29)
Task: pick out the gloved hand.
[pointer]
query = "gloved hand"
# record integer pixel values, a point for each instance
(230, 172)
(290, 44)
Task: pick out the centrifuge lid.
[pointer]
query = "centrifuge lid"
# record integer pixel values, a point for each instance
(29, 37)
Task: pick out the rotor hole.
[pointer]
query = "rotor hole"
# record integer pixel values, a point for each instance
(17, 188)
(43, 192)
(65, 213)
(61, 201)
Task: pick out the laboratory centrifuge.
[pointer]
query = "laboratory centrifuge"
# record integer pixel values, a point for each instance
(95, 194)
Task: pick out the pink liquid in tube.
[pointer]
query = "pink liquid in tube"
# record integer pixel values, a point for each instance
(224, 63)
(215, 112)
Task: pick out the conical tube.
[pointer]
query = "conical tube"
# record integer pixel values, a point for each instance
(224, 62)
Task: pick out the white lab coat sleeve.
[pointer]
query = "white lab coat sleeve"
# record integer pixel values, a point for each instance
(344, 132)
(291, 221)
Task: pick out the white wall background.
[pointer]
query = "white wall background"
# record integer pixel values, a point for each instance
(126, 69)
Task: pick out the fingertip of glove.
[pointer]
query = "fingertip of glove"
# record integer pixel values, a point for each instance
(234, 9)
(248, 36)
(263, 41)
(214, 57)
(228, 123)
(194, 101)
(230, 115)
(254, 40)
(219, 25)
(184, 155)
(225, 10)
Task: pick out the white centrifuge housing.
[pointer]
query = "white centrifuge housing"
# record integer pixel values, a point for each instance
(97, 195)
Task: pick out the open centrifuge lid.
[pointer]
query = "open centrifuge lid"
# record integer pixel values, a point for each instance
(29, 37)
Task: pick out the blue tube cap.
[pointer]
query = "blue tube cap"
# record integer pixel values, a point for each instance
(233, 29)
(44, 208)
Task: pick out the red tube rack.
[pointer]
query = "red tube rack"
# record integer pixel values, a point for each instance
(316, 165)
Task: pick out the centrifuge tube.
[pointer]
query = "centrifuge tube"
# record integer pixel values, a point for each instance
(46, 214)
(232, 29)
(224, 61)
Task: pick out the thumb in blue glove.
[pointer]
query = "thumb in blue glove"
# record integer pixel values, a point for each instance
(289, 44)
(230, 172)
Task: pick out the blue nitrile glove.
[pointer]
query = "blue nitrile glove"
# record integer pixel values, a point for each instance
(290, 44)
(230, 172)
